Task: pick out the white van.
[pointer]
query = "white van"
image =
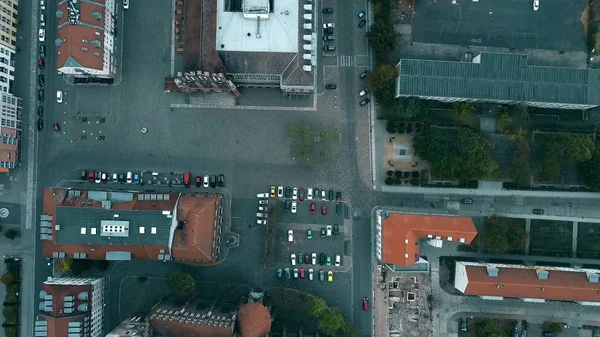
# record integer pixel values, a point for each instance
(42, 20)
(43, 5)
(129, 177)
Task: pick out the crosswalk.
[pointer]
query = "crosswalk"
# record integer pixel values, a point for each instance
(345, 61)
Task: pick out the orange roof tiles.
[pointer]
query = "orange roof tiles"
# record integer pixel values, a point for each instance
(254, 320)
(561, 285)
(400, 234)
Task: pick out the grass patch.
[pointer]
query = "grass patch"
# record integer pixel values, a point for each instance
(551, 238)
(588, 236)
(504, 235)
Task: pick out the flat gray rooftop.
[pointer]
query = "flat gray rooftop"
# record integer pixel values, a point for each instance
(83, 226)
(511, 24)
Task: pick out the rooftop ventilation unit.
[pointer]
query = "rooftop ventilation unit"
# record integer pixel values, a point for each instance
(83, 295)
(592, 277)
(492, 271)
(542, 274)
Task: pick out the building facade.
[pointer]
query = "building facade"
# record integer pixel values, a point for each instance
(86, 39)
(499, 78)
(71, 306)
(10, 131)
(8, 38)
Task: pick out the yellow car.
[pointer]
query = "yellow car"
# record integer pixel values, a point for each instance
(330, 276)
(272, 191)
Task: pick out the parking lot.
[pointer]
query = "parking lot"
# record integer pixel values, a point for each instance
(495, 23)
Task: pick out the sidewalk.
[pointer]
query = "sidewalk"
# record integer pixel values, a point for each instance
(380, 305)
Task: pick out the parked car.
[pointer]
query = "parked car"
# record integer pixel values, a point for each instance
(213, 181)
(295, 273)
(295, 193)
(314, 258)
(365, 102)
(56, 126)
(467, 201)
(198, 181)
(328, 38)
(336, 230)
(306, 258)
(311, 273)
(323, 195)
(324, 209)
(259, 195)
(329, 25)
(42, 35)
(364, 92)
(263, 202)
(272, 192)
(328, 260)
(329, 48)
(290, 235)
(338, 260)
(538, 211)
(301, 272)
(363, 74)
(338, 208)
(115, 178)
(84, 175)
(328, 10)
(206, 181)
(261, 222)
(187, 179)
(40, 111)
(331, 86)
(261, 215)
(293, 259)
(309, 194)
(287, 206)
(309, 234)
(40, 95)
(330, 195)
(263, 209)
(362, 23)
(59, 96)
(126, 4)
(536, 5)
(365, 304)
(91, 176)
(300, 257)
(361, 14)
(98, 178)
(136, 178)
(221, 180)
(313, 207)
(41, 64)
(330, 276)
(280, 191)
(294, 206)
(338, 196)
(129, 177)
(279, 273)
(301, 194)
(329, 231)
(287, 273)
(42, 50)
(322, 233)
(288, 192)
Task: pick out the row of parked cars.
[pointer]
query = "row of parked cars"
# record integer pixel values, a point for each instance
(326, 232)
(300, 194)
(301, 273)
(205, 181)
(103, 177)
(306, 258)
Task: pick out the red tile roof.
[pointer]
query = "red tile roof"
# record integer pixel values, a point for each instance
(73, 36)
(173, 328)
(254, 320)
(401, 232)
(58, 321)
(195, 240)
(523, 282)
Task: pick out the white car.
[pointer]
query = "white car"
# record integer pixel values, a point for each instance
(98, 177)
(115, 178)
(309, 194)
(261, 222)
(311, 273)
(126, 4)
(328, 230)
(263, 209)
(280, 191)
(129, 177)
(59, 96)
(295, 193)
(43, 5)
(42, 35)
(314, 258)
(294, 206)
(338, 260)
(323, 195)
(536, 5)
(290, 235)
(263, 202)
(329, 25)
(262, 195)
(363, 92)
(261, 215)
(293, 258)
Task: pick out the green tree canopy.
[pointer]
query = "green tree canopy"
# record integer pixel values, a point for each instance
(591, 171)
(488, 327)
(579, 148)
(467, 156)
(381, 83)
(504, 235)
(330, 319)
(11, 234)
(181, 283)
(552, 150)
(383, 38)
(8, 279)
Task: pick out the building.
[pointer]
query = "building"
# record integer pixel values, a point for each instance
(136, 326)
(103, 225)
(529, 283)
(85, 41)
(9, 18)
(398, 235)
(10, 131)
(72, 306)
(194, 318)
(499, 78)
(252, 43)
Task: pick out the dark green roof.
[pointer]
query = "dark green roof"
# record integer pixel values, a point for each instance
(498, 77)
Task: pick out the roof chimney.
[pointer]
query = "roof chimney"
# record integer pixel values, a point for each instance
(592, 277)
(492, 271)
(542, 274)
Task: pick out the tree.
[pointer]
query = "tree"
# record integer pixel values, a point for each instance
(181, 283)
(464, 112)
(503, 236)
(80, 265)
(383, 38)
(431, 145)
(407, 108)
(381, 83)
(12, 298)
(579, 148)
(62, 265)
(11, 234)
(488, 327)
(591, 171)
(8, 279)
(553, 327)
(10, 332)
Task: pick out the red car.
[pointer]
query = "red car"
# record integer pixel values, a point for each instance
(198, 181)
(186, 179)
(313, 207)
(301, 272)
(301, 194)
(91, 176)
(365, 304)
(324, 209)
(41, 63)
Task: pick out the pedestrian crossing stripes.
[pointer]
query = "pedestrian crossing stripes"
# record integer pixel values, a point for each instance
(345, 61)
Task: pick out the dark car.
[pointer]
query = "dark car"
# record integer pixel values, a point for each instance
(279, 273)
(84, 175)
(330, 195)
(329, 48)
(331, 86)
(322, 258)
(121, 178)
(362, 23)
(300, 258)
(336, 230)
(328, 38)
(288, 206)
(40, 124)
(288, 192)
(323, 233)
(213, 181)
(365, 304)
(328, 31)
(41, 95)
(321, 275)
(306, 258)
(287, 273)
(41, 80)
(338, 208)
(42, 50)
(41, 63)
(328, 10)
(198, 181)
(363, 74)
(467, 201)
(538, 211)
(338, 196)
(221, 180)
(40, 111)
(301, 194)
(364, 102)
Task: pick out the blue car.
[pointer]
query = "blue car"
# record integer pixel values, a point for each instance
(136, 178)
